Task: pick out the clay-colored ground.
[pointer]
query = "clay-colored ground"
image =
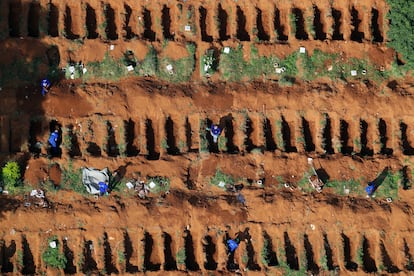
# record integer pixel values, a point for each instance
(154, 129)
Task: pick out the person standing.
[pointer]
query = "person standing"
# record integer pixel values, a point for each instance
(53, 143)
(45, 85)
(215, 131)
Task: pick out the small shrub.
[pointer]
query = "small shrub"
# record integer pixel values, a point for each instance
(149, 66)
(221, 177)
(352, 185)
(180, 256)
(389, 186)
(11, 176)
(72, 179)
(53, 257)
(108, 69)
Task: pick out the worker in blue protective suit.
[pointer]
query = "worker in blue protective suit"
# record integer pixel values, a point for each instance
(370, 189)
(232, 245)
(53, 143)
(215, 131)
(45, 85)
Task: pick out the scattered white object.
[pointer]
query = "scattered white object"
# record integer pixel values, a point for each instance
(130, 68)
(364, 72)
(111, 47)
(354, 73)
(389, 199)
(226, 50)
(169, 67)
(312, 227)
(52, 244)
(152, 185)
(278, 70)
(330, 68)
(129, 185)
(275, 65)
(84, 70)
(187, 28)
(5, 192)
(72, 69)
(302, 50)
(72, 76)
(346, 191)
(260, 182)
(287, 185)
(310, 160)
(221, 184)
(206, 67)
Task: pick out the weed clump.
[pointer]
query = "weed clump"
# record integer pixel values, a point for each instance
(159, 184)
(10, 176)
(52, 256)
(221, 179)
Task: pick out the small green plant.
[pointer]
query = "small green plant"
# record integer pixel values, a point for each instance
(219, 178)
(323, 260)
(181, 256)
(304, 183)
(108, 69)
(162, 184)
(164, 144)
(389, 186)
(19, 260)
(279, 135)
(346, 187)
(245, 258)
(293, 21)
(222, 143)
(149, 66)
(178, 70)
(67, 139)
(52, 256)
(360, 255)
(265, 253)
(182, 146)
(10, 175)
(72, 179)
(121, 257)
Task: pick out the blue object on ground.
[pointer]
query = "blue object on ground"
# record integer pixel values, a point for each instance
(232, 245)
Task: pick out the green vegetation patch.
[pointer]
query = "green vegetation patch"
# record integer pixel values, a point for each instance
(219, 178)
(400, 33)
(158, 184)
(52, 256)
